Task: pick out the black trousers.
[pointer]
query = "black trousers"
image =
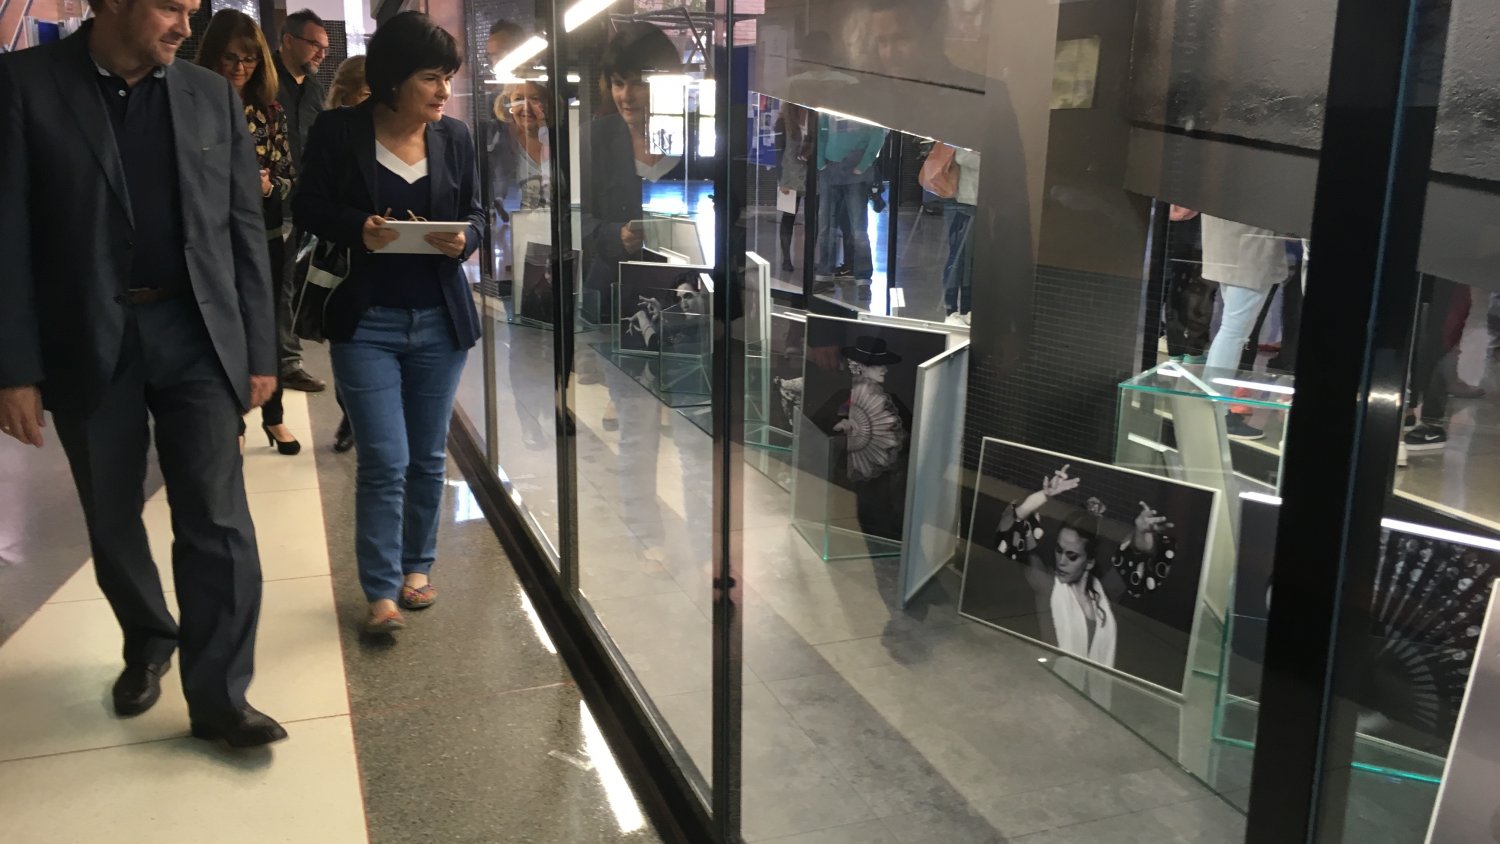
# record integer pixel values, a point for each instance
(169, 375)
(271, 413)
(289, 274)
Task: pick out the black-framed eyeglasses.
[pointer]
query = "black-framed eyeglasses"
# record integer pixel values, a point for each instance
(234, 61)
(322, 48)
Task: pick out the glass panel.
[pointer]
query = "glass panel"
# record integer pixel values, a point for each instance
(993, 512)
(511, 111)
(1421, 686)
(642, 358)
(471, 398)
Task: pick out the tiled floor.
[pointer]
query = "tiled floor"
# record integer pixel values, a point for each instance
(139, 779)
(467, 729)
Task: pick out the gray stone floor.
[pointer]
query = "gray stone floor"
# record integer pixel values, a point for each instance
(468, 727)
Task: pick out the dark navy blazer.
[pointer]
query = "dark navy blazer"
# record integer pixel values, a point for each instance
(337, 190)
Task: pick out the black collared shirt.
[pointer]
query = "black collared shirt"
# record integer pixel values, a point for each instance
(142, 121)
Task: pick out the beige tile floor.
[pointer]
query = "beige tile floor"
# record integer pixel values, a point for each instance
(70, 771)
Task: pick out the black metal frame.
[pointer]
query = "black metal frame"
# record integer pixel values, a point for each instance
(731, 193)
(1341, 440)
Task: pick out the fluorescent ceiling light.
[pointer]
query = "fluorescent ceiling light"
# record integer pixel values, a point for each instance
(582, 12)
(574, 78)
(529, 48)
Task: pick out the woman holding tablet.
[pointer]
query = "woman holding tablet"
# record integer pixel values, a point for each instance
(401, 324)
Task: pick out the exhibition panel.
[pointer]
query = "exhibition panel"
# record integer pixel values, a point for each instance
(914, 502)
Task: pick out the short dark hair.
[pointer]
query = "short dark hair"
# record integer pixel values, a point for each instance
(636, 48)
(405, 44)
(296, 23)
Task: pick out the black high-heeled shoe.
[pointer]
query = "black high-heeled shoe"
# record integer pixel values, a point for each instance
(288, 449)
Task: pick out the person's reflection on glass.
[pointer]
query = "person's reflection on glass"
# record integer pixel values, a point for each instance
(906, 37)
(621, 152)
(519, 155)
(794, 146)
(504, 37)
(958, 269)
(621, 158)
(846, 154)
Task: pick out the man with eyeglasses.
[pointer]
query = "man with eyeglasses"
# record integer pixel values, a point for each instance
(304, 45)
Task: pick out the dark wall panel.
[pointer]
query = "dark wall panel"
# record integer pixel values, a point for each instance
(1468, 126)
(1248, 70)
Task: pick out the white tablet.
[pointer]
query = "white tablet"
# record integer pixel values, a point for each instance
(409, 236)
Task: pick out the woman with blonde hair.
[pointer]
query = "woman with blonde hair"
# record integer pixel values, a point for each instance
(518, 148)
(349, 86)
(234, 46)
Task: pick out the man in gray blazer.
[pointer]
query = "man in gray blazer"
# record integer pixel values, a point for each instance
(136, 289)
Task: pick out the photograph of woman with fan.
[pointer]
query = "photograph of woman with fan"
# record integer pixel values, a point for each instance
(1102, 563)
(1427, 607)
(859, 389)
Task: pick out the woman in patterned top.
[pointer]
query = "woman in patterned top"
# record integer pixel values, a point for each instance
(234, 47)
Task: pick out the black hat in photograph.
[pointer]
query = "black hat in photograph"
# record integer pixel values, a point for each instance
(871, 351)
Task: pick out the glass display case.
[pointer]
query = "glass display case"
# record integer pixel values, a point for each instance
(1153, 173)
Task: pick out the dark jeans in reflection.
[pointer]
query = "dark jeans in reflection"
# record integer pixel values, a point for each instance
(846, 206)
(958, 274)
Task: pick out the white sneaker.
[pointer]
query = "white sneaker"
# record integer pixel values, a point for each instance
(954, 318)
(1400, 454)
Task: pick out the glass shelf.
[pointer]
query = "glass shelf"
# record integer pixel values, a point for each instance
(1254, 389)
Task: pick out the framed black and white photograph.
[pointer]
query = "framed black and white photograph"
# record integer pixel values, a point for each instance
(788, 336)
(1102, 563)
(646, 292)
(1433, 581)
(859, 390)
(537, 287)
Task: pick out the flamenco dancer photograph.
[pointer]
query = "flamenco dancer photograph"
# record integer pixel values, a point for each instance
(859, 390)
(1101, 563)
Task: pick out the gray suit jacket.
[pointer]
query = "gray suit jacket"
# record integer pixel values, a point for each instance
(66, 225)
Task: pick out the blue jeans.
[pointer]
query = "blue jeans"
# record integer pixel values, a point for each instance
(1241, 308)
(397, 377)
(958, 273)
(847, 207)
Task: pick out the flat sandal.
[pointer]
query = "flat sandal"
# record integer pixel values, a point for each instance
(384, 621)
(419, 597)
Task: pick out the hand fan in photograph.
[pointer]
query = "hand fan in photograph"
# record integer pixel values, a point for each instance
(1426, 613)
(875, 435)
